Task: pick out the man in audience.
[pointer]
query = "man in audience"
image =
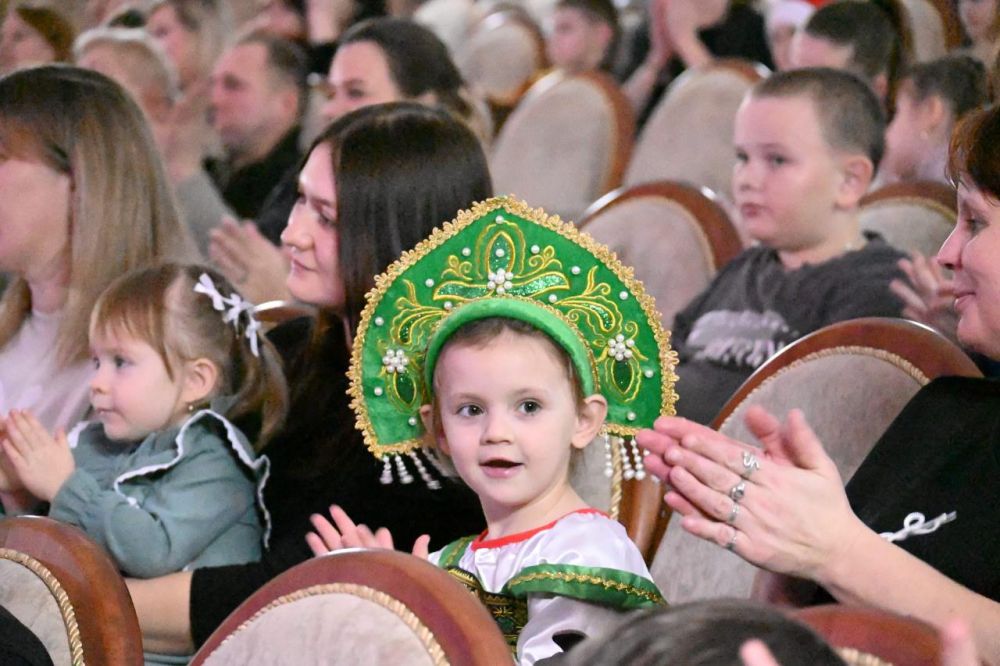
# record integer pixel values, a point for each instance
(257, 99)
(855, 36)
(583, 35)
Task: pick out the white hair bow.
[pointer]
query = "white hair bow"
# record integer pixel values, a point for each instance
(232, 307)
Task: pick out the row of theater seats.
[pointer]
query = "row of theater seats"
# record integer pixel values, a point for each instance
(370, 607)
(569, 139)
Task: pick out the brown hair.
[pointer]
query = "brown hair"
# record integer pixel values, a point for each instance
(57, 32)
(482, 332)
(122, 214)
(850, 116)
(160, 307)
(973, 153)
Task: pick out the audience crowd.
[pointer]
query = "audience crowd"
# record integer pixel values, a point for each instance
(165, 165)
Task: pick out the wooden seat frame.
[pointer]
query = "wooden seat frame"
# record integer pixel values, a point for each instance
(457, 621)
(97, 610)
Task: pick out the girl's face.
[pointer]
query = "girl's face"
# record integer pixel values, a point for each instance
(34, 219)
(359, 77)
(971, 252)
(978, 18)
(312, 238)
(21, 45)
(179, 43)
(576, 42)
(131, 391)
(509, 420)
(906, 137)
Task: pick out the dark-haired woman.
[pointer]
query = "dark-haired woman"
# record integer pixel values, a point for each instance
(917, 531)
(378, 61)
(375, 182)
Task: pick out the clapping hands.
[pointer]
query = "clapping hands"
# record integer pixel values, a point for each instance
(33, 460)
(343, 533)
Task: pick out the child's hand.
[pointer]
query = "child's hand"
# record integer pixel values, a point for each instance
(41, 462)
(10, 482)
(346, 534)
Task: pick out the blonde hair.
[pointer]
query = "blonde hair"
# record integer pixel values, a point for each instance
(208, 21)
(122, 213)
(142, 57)
(160, 307)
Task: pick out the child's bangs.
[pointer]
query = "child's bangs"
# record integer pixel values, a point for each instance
(134, 311)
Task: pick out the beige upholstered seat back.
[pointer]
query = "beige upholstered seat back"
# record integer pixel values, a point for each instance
(358, 625)
(663, 242)
(500, 56)
(927, 28)
(849, 396)
(909, 223)
(31, 594)
(557, 150)
(689, 135)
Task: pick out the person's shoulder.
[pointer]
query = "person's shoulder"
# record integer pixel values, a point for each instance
(588, 538)
(878, 248)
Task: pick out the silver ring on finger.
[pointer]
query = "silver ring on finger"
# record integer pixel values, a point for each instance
(731, 545)
(737, 492)
(733, 513)
(750, 464)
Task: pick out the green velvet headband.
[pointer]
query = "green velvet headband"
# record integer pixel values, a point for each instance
(503, 259)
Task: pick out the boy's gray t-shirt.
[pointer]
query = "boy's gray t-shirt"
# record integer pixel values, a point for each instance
(754, 307)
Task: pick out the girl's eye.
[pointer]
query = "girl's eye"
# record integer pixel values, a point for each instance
(356, 93)
(776, 160)
(974, 224)
(530, 407)
(120, 361)
(741, 156)
(469, 410)
(96, 362)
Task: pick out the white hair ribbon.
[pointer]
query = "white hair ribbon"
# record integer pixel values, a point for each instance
(232, 307)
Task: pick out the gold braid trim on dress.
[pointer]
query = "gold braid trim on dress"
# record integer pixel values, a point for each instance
(856, 657)
(61, 597)
(850, 350)
(585, 578)
(396, 607)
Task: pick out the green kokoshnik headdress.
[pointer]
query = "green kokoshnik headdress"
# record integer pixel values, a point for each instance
(503, 259)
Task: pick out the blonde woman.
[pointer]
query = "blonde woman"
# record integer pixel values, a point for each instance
(83, 198)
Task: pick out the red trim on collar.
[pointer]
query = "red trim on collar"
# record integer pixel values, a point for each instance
(481, 541)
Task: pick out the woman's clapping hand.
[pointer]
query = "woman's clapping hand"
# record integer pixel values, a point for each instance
(793, 516)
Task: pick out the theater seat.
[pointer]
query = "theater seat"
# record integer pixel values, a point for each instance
(850, 379)
(376, 607)
(913, 216)
(68, 592)
(566, 143)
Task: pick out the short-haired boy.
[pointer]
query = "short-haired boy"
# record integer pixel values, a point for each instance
(583, 35)
(807, 144)
(859, 37)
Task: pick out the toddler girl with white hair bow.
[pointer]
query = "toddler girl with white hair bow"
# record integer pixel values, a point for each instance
(162, 479)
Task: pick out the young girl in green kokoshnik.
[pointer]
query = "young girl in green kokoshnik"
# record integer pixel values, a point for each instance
(511, 340)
